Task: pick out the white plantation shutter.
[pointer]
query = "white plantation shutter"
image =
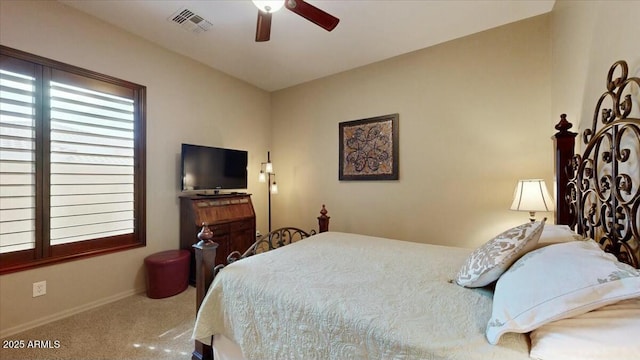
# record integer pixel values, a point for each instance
(72, 162)
(92, 164)
(17, 161)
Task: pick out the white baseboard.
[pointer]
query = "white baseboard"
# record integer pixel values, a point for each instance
(66, 313)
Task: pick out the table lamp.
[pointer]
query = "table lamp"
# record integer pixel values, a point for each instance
(532, 195)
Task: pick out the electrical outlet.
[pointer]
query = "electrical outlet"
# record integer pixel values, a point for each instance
(39, 288)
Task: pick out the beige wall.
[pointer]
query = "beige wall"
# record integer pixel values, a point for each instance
(186, 102)
(588, 37)
(474, 118)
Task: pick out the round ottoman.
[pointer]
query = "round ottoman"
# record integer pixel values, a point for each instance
(167, 273)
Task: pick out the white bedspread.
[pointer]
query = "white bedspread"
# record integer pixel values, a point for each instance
(346, 296)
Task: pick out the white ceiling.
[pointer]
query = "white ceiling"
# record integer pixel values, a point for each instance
(300, 51)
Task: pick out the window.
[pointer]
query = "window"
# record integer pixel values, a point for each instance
(72, 162)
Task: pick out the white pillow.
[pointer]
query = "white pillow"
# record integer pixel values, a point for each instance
(610, 332)
(556, 234)
(489, 261)
(556, 282)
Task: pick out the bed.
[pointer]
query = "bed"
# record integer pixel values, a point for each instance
(569, 290)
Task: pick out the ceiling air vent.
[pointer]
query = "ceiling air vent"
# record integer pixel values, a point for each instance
(189, 21)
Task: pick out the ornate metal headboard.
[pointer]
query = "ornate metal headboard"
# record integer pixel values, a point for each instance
(603, 190)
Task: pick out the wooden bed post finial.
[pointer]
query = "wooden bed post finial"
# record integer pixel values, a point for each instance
(323, 220)
(563, 125)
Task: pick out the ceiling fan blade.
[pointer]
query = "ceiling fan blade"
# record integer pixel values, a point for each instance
(263, 27)
(313, 14)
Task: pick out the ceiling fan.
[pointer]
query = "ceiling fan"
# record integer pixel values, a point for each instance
(300, 7)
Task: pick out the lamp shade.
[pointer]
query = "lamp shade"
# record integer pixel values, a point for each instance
(532, 195)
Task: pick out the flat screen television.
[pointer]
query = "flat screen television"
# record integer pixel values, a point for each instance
(213, 168)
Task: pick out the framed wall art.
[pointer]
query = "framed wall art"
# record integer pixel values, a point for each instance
(369, 148)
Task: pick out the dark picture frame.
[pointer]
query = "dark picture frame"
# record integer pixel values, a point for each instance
(369, 148)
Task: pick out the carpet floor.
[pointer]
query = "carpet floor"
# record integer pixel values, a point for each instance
(135, 327)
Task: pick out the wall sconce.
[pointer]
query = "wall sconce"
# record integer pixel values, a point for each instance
(532, 195)
(267, 175)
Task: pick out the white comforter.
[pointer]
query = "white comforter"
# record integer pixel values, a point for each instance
(346, 296)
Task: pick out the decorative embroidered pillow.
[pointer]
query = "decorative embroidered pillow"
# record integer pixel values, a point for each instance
(557, 282)
(488, 262)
